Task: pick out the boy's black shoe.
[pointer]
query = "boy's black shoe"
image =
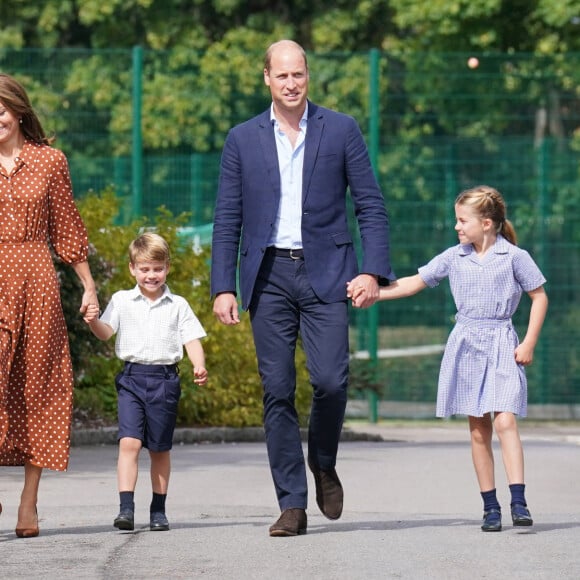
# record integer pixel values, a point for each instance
(125, 520)
(521, 515)
(158, 522)
(491, 520)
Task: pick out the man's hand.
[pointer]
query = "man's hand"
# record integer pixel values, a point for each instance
(225, 308)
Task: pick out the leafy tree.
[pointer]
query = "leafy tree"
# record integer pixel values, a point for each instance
(202, 69)
(441, 124)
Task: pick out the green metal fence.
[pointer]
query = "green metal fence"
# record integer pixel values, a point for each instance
(152, 124)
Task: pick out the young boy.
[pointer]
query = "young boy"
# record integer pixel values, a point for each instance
(152, 325)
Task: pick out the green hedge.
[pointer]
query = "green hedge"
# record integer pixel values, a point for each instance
(233, 394)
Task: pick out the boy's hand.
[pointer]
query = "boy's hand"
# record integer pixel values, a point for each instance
(91, 313)
(199, 375)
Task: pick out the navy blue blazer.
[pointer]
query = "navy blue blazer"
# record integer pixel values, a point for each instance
(335, 158)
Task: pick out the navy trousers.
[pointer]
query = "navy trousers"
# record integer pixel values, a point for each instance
(147, 402)
(283, 307)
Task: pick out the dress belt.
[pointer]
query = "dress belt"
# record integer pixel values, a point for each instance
(483, 322)
(295, 253)
(138, 368)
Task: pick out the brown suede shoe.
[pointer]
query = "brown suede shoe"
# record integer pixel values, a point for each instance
(329, 493)
(292, 522)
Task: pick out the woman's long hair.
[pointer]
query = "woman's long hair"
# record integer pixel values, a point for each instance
(14, 98)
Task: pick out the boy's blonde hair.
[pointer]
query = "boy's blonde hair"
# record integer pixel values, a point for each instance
(149, 247)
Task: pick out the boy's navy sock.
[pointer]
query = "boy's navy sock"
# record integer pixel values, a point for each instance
(518, 493)
(158, 503)
(127, 500)
(490, 500)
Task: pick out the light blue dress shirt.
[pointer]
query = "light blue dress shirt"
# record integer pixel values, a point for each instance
(287, 232)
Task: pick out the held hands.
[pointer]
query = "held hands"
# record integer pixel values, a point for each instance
(354, 293)
(199, 375)
(363, 290)
(89, 306)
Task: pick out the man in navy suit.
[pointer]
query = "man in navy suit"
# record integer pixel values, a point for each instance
(281, 209)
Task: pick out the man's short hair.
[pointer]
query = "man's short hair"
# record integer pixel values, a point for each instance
(270, 50)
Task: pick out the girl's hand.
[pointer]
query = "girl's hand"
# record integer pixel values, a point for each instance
(199, 375)
(524, 355)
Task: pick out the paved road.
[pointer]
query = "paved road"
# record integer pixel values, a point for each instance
(412, 511)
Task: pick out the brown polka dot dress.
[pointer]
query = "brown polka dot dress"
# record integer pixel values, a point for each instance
(36, 381)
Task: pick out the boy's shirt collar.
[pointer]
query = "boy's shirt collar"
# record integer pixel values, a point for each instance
(135, 294)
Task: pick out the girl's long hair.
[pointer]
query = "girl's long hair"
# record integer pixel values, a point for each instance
(488, 203)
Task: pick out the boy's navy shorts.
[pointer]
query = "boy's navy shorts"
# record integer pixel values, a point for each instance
(148, 396)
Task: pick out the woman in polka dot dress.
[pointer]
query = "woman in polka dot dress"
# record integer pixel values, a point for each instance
(36, 381)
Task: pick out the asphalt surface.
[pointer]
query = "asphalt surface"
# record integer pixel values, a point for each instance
(412, 511)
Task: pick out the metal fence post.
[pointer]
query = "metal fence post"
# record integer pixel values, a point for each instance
(543, 160)
(137, 145)
(196, 206)
(373, 320)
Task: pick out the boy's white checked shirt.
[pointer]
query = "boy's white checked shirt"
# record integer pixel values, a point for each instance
(151, 332)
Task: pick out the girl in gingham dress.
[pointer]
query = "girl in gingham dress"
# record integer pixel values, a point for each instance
(482, 372)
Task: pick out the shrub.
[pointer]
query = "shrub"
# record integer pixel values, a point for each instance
(233, 395)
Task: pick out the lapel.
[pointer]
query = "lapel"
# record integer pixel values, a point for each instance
(269, 151)
(311, 145)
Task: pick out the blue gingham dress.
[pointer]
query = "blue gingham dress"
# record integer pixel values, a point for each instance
(478, 372)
